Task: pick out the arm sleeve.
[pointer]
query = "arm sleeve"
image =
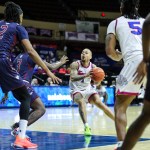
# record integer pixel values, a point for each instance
(22, 33)
(112, 27)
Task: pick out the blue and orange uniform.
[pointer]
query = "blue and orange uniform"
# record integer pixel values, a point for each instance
(10, 34)
(25, 66)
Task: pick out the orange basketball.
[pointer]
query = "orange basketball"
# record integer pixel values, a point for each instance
(98, 74)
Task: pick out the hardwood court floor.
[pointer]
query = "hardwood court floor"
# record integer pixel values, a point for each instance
(62, 129)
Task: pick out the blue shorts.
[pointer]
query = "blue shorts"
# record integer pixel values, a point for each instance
(31, 91)
(9, 77)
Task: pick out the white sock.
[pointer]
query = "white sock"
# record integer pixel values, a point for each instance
(22, 128)
(86, 124)
(119, 143)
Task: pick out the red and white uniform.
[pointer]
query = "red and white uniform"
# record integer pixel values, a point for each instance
(129, 34)
(82, 86)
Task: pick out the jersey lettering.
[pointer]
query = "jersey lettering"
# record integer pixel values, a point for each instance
(137, 30)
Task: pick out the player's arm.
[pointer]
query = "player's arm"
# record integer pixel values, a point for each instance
(110, 44)
(36, 58)
(23, 37)
(142, 68)
(74, 72)
(56, 65)
(146, 39)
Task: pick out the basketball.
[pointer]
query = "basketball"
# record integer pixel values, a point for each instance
(98, 74)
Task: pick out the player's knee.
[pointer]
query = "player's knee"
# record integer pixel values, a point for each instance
(43, 110)
(78, 100)
(22, 94)
(119, 110)
(40, 108)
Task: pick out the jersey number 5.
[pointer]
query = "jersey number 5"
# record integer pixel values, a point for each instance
(137, 30)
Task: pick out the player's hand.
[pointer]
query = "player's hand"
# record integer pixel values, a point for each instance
(140, 73)
(54, 78)
(64, 59)
(97, 83)
(4, 99)
(119, 54)
(89, 74)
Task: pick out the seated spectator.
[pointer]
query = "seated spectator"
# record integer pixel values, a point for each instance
(60, 53)
(49, 82)
(63, 70)
(34, 82)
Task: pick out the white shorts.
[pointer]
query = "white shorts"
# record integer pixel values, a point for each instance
(124, 81)
(87, 93)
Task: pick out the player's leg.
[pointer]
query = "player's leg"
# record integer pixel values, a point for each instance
(38, 110)
(78, 98)
(121, 104)
(95, 99)
(137, 127)
(22, 95)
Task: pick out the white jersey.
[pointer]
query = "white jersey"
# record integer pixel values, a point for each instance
(84, 83)
(129, 34)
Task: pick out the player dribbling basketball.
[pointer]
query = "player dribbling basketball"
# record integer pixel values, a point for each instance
(81, 90)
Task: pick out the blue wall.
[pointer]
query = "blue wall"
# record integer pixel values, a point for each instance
(53, 96)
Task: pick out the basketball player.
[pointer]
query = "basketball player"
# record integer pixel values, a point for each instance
(137, 128)
(101, 90)
(25, 66)
(12, 32)
(127, 29)
(81, 90)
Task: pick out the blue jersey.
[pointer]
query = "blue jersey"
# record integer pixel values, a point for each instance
(25, 66)
(10, 34)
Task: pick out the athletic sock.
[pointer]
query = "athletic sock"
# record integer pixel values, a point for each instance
(22, 128)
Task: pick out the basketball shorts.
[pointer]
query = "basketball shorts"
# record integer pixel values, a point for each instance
(124, 81)
(31, 91)
(9, 77)
(87, 93)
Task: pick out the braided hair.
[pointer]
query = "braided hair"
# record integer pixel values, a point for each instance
(130, 8)
(12, 12)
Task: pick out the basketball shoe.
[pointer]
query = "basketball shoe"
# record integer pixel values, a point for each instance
(87, 130)
(15, 131)
(23, 143)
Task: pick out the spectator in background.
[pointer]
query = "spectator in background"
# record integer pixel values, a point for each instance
(60, 53)
(47, 59)
(34, 82)
(49, 82)
(101, 90)
(63, 70)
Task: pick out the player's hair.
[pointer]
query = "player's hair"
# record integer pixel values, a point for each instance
(12, 12)
(130, 8)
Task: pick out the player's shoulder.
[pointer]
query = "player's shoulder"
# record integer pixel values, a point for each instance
(93, 65)
(112, 23)
(20, 27)
(74, 64)
(142, 19)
